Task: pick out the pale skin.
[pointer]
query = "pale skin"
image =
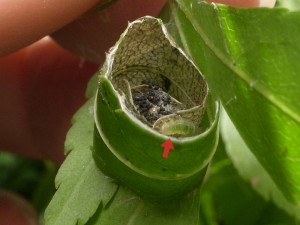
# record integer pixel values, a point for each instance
(41, 84)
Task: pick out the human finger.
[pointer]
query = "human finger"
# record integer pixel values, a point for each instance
(24, 22)
(92, 36)
(16, 210)
(41, 87)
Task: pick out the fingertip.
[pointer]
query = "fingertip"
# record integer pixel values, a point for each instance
(267, 3)
(41, 87)
(25, 22)
(16, 210)
(93, 35)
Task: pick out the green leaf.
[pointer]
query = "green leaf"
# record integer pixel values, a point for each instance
(229, 200)
(130, 126)
(30, 178)
(86, 196)
(291, 4)
(251, 170)
(250, 59)
(81, 186)
(127, 208)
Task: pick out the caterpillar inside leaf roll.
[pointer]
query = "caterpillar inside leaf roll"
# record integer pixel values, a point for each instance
(149, 91)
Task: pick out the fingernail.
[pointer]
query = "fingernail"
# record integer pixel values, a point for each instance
(267, 3)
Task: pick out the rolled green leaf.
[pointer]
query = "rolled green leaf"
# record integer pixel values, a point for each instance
(149, 91)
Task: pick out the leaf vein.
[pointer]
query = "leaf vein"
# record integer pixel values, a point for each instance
(244, 76)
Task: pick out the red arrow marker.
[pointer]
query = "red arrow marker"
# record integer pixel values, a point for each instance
(167, 146)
